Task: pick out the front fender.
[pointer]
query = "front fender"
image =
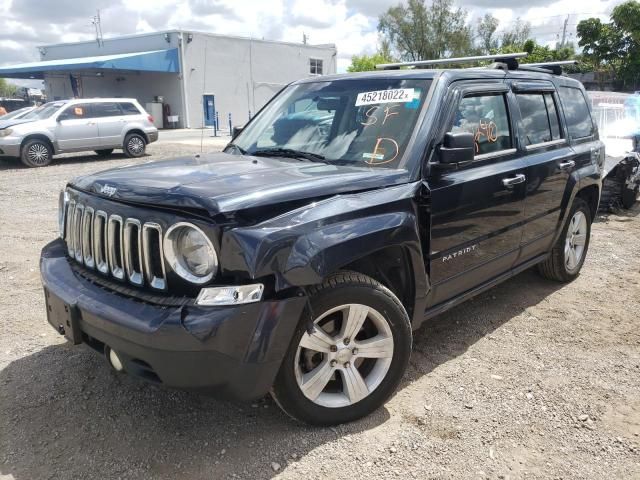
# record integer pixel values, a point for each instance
(305, 245)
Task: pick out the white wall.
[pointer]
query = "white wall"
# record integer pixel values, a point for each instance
(244, 74)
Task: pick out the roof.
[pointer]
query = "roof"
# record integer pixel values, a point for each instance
(152, 61)
(196, 32)
(429, 73)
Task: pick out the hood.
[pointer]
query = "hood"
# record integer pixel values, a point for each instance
(14, 121)
(223, 182)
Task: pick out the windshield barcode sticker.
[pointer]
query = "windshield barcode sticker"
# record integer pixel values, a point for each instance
(396, 95)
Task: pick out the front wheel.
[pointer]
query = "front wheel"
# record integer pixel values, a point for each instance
(350, 359)
(568, 254)
(134, 145)
(36, 153)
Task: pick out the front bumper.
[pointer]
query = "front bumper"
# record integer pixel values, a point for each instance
(9, 148)
(235, 351)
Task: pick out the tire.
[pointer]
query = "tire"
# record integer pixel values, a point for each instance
(629, 197)
(377, 372)
(559, 265)
(134, 145)
(36, 153)
(105, 152)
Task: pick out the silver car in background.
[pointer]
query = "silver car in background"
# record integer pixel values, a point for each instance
(64, 126)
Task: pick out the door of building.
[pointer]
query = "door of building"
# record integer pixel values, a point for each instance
(209, 105)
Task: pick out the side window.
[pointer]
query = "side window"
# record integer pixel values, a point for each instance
(486, 117)
(576, 112)
(76, 112)
(107, 109)
(129, 108)
(539, 117)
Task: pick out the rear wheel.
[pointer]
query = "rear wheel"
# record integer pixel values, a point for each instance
(134, 145)
(36, 153)
(569, 252)
(351, 358)
(105, 152)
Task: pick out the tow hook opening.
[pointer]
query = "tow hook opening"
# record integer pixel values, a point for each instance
(114, 359)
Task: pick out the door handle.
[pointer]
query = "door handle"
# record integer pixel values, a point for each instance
(91, 123)
(567, 165)
(511, 181)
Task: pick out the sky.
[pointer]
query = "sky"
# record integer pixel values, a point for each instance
(349, 24)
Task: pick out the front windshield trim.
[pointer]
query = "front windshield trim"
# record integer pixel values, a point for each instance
(424, 84)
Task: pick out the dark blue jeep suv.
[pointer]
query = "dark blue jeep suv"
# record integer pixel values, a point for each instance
(350, 210)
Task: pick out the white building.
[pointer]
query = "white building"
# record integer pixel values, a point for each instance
(194, 74)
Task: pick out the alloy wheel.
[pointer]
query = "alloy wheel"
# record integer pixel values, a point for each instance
(136, 145)
(575, 241)
(38, 154)
(346, 356)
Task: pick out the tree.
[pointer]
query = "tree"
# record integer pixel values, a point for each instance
(7, 89)
(421, 32)
(614, 47)
(485, 31)
(517, 35)
(364, 63)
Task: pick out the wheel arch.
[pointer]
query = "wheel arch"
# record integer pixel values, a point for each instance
(37, 136)
(139, 132)
(591, 195)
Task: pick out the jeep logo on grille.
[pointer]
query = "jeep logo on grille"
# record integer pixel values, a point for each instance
(108, 190)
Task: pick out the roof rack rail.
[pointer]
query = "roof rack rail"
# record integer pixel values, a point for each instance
(508, 58)
(548, 67)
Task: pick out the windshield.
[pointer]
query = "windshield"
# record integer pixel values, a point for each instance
(367, 122)
(15, 113)
(45, 111)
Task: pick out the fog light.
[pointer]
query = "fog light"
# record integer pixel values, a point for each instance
(230, 295)
(115, 361)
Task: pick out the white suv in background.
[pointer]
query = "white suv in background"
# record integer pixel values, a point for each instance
(78, 125)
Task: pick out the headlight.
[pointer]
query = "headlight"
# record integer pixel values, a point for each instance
(5, 132)
(63, 200)
(190, 253)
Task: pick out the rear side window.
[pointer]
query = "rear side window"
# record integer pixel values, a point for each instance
(129, 108)
(78, 111)
(107, 109)
(539, 117)
(486, 117)
(576, 112)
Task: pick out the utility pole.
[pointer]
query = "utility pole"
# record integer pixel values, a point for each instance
(564, 31)
(98, 27)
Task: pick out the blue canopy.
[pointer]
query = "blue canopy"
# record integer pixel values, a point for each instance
(154, 61)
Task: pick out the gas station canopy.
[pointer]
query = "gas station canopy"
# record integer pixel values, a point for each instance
(154, 61)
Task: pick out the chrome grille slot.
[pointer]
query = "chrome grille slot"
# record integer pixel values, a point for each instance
(125, 249)
(87, 237)
(153, 257)
(114, 246)
(69, 233)
(77, 232)
(100, 242)
(132, 237)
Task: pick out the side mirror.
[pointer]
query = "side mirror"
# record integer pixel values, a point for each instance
(457, 148)
(235, 132)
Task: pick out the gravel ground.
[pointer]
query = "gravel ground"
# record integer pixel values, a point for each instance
(530, 380)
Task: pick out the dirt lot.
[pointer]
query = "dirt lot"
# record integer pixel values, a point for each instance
(529, 380)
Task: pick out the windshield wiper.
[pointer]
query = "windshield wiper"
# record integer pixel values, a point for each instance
(288, 153)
